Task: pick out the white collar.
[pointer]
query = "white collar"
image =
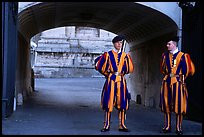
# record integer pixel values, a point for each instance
(175, 51)
(116, 50)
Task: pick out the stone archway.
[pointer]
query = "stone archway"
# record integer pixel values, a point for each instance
(145, 29)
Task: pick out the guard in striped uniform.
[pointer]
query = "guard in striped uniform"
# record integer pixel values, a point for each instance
(176, 66)
(114, 64)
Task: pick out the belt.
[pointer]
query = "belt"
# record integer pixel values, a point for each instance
(117, 73)
(173, 75)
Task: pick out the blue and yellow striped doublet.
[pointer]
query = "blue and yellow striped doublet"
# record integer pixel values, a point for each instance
(175, 68)
(114, 66)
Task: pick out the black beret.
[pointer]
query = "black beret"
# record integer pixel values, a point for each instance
(174, 38)
(118, 38)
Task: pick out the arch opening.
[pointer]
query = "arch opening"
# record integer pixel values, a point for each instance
(145, 29)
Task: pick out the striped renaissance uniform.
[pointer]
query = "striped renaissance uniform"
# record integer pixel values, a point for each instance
(173, 95)
(114, 66)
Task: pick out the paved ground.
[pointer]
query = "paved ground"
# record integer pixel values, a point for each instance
(72, 107)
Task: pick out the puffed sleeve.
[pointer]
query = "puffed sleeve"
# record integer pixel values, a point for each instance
(102, 64)
(128, 66)
(163, 64)
(188, 67)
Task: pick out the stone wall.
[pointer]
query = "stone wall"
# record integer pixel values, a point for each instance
(70, 51)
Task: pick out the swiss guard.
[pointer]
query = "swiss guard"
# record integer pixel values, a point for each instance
(175, 66)
(114, 65)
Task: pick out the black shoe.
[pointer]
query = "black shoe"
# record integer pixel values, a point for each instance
(166, 130)
(179, 132)
(104, 129)
(124, 130)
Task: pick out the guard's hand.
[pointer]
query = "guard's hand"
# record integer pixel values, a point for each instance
(128, 53)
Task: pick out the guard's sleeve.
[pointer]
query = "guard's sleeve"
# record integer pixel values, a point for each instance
(188, 67)
(163, 64)
(128, 66)
(101, 63)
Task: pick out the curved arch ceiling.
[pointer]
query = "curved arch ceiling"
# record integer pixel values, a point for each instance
(137, 22)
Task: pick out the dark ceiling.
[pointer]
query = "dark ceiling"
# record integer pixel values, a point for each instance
(137, 22)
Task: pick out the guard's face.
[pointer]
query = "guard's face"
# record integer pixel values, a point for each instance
(118, 45)
(171, 45)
